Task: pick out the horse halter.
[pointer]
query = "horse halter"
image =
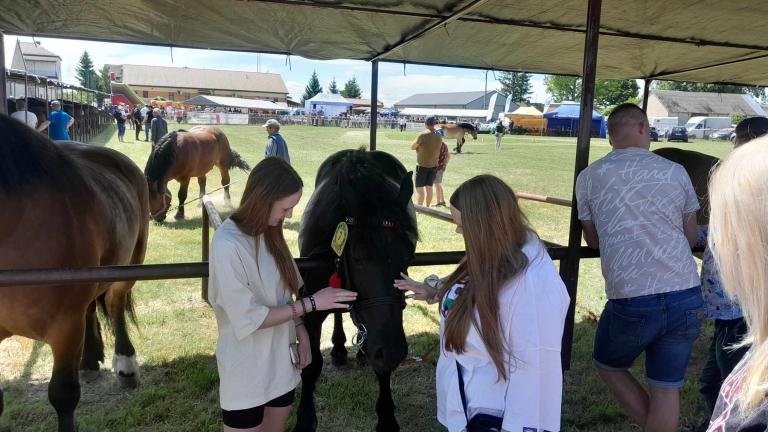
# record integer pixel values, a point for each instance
(359, 305)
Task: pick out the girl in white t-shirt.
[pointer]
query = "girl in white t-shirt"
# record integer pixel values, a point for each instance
(252, 279)
(502, 316)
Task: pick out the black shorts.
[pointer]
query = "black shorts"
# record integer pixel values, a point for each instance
(425, 176)
(252, 417)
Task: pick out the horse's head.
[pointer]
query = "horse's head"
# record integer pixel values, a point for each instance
(470, 129)
(159, 199)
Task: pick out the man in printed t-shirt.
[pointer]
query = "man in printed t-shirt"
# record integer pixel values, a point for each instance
(640, 209)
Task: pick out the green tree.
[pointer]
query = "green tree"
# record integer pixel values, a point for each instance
(351, 89)
(516, 84)
(312, 89)
(333, 88)
(105, 82)
(85, 73)
(758, 92)
(563, 88)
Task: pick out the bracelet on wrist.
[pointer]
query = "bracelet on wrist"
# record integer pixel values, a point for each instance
(303, 306)
(312, 301)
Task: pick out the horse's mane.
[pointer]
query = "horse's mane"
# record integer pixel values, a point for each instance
(29, 159)
(468, 126)
(162, 157)
(361, 185)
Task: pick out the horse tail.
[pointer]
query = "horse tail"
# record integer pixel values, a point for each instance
(236, 161)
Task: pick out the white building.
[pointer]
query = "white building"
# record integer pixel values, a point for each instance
(34, 59)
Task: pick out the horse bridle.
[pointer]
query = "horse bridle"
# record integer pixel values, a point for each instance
(354, 309)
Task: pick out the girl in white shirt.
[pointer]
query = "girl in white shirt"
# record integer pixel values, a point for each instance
(502, 316)
(252, 279)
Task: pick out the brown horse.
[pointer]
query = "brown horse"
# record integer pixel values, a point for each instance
(698, 166)
(69, 205)
(181, 155)
(457, 131)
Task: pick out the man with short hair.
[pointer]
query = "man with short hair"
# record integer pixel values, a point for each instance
(21, 114)
(276, 145)
(58, 123)
(427, 146)
(147, 115)
(120, 117)
(641, 210)
(159, 127)
(138, 119)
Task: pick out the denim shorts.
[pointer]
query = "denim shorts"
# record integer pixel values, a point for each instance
(664, 326)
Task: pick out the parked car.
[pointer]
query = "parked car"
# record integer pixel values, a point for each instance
(654, 134)
(678, 133)
(722, 134)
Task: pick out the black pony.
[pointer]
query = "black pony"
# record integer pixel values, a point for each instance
(370, 192)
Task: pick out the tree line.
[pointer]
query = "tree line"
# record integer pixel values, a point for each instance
(350, 90)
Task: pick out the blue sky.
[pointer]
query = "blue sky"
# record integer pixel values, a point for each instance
(394, 85)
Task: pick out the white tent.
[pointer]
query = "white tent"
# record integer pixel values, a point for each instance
(330, 104)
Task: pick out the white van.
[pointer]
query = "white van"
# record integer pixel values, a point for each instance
(663, 124)
(700, 127)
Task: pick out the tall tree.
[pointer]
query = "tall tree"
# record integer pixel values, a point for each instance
(105, 81)
(563, 88)
(333, 88)
(516, 84)
(351, 89)
(312, 89)
(85, 73)
(758, 92)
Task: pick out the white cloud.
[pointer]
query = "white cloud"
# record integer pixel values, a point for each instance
(295, 89)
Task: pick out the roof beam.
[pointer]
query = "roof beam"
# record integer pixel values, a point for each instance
(442, 22)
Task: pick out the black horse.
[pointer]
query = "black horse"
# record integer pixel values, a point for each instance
(370, 192)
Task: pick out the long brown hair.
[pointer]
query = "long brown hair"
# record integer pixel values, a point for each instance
(495, 231)
(271, 180)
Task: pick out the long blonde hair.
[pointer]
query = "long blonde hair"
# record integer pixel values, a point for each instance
(738, 236)
(495, 231)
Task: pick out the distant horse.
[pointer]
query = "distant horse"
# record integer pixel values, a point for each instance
(457, 132)
(181, 155)
(69, 205)
(371, 193)
(698, 166)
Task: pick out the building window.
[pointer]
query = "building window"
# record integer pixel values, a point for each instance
(145, 94)
(170, 96)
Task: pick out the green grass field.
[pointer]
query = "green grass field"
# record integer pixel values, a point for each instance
(177, 330)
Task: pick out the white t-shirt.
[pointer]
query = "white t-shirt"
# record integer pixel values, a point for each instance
(637, 200)
(144, 112)
(27, 117)
(533, 307)
(254, 364)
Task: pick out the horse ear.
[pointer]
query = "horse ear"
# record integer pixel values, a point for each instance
(406, 189)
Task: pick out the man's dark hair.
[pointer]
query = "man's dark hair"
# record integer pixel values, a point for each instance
(751, 128)
(624, 112)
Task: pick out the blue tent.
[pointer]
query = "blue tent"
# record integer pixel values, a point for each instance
(566, 118)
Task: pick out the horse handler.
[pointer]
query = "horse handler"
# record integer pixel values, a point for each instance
(427, 146)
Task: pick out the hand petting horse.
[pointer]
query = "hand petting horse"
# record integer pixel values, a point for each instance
(181, 155)
(69, 205)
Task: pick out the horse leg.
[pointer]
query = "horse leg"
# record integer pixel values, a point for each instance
(339, 352)
(124, 363)
(385, 407)
(306, 415)
(66, 341)
(201, 183)
(225, 182)
(93, 351)
(183, 186)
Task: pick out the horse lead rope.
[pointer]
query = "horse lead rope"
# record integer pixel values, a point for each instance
(200, 197)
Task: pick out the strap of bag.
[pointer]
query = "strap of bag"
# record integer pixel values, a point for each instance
(461, 391)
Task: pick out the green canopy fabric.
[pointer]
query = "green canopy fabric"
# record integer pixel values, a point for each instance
(694, 40)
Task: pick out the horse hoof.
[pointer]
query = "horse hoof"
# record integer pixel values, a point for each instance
(128, 382)
(339, 361)
(89, 376)
(388, 427)
(179, 216)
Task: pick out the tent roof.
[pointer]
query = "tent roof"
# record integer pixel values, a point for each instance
(330, 99)
(703, 102)
(696, 40)
(570, 111)
(224, 101)
(527, 111)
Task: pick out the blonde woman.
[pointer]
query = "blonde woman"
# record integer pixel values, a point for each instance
(503, 311)
(739, 239)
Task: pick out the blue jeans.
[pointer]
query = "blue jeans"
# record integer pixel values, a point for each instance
(146, 132)
(664, 326)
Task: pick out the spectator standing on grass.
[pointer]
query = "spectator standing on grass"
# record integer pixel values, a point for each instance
(276, 145)
(148, 122)
(159, 127)
(58, 123)
(138, 119)
(502, 316)
(499, 133)
(427, 147)
(120, 116)
(640, 209)
(21, 114)
(262, 343)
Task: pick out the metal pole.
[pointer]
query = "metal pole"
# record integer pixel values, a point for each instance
(646, 93)
(374, 102)
(204, 255)
(3, 95)
(569, 267)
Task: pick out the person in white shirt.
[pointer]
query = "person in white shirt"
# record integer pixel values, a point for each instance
(640, 209)
(502, 318)
(21, 114)
(252, 278)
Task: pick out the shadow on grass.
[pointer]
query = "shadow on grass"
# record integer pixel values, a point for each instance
(190, 223)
